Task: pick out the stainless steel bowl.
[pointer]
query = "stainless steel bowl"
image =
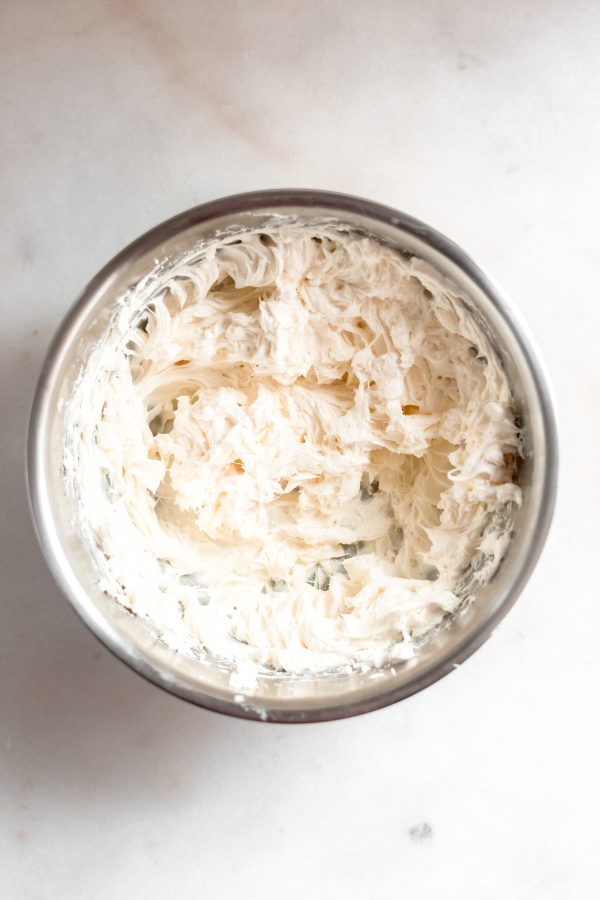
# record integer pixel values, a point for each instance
(280, 697)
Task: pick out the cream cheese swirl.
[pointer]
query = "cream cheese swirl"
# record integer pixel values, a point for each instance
(294, 449)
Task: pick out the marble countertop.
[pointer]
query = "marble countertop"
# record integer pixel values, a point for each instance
(482, 119)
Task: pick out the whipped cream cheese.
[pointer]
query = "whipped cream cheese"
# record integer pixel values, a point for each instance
(295, 448)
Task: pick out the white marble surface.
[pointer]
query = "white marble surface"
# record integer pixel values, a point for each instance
(481, 118)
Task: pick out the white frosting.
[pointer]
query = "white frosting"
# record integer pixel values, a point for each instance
(294, 449)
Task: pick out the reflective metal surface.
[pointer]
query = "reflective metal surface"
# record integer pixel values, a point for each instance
(280, 697)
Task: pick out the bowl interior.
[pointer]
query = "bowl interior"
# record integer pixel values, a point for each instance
(203, 680)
